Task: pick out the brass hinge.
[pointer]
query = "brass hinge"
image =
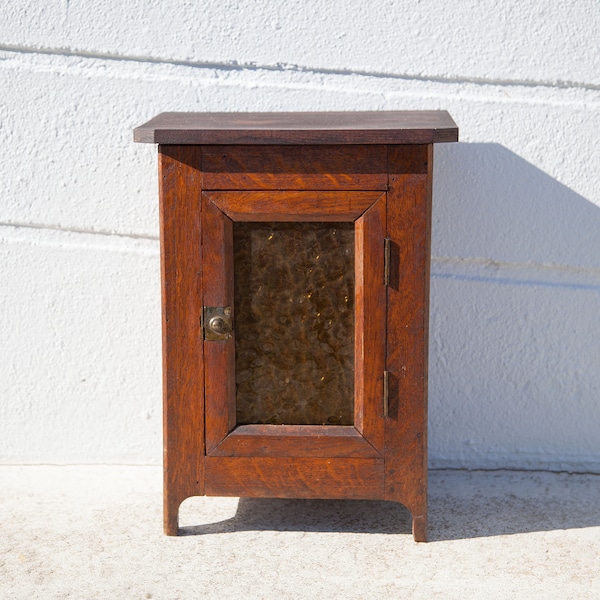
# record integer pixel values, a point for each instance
(386, 393)
(387, 259)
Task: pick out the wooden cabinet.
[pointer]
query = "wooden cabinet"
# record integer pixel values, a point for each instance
(295, 280)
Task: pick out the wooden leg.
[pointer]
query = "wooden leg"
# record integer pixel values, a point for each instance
(182, 300)
(419, 528)
(408, 227)
(171, 514)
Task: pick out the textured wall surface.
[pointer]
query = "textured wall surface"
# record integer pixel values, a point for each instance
(515, 315)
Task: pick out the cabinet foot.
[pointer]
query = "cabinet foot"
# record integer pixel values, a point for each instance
(171, 518)
(419, 529)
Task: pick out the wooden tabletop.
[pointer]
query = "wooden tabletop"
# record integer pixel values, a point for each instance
(389, 127)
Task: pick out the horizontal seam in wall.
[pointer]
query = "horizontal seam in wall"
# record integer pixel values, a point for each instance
(131, 236)
(440, 470)
(517, 274)
(490, 263)
(513, 470)
(283, 68)
(437, 261)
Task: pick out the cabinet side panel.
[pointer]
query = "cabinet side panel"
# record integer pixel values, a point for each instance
(408, 222)
(183, 376)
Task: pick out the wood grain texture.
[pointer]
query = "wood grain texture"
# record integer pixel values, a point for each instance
(386, 127)
(370, 301)
(293, 206)
(219, 356)
(386, 191)
(309, 441)
(183, 375)
(409, 218)
(352, 478)
(370, 331)
(294, 167)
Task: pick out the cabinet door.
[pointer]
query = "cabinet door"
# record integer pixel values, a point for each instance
(294, 386)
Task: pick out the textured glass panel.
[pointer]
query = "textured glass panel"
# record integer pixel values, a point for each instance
(294, 323)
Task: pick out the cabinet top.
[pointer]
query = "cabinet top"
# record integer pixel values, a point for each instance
(389, 127)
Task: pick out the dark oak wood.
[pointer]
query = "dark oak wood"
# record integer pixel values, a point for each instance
(183, 381)
(294, 167)
(355, 478)
(219, 356)
(386, 127)
(371, 168)
(369, 340)
(314, 441)
(293, 206)
(409, 223)
(370, 298)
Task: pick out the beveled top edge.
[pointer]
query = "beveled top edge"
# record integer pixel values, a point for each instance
(385, 127)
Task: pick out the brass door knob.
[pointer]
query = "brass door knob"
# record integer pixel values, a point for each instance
(218, 325)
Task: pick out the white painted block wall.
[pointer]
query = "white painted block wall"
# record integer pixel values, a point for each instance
(515, 316)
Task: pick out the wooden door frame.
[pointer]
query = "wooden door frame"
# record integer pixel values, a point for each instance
(365, 438)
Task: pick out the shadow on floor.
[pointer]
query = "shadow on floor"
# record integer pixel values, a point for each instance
(344, 516)
(462, 505)
(470, 504)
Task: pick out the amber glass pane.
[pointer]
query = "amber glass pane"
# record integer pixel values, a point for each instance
(294, 323)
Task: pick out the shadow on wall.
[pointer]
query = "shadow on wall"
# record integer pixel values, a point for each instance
(514, 377)
(491, 203)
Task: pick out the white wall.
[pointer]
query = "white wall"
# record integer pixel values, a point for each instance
(515, 319)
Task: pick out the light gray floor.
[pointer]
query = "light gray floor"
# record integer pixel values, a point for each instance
(95, 533)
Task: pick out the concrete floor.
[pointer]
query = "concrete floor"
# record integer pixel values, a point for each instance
(95, 533)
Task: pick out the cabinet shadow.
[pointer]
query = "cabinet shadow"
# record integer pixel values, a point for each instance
(515, 311)
(490, 203)
(462, 505)
(472, 504)
(342, 516)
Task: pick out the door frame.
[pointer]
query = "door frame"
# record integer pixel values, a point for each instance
(365, 438)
